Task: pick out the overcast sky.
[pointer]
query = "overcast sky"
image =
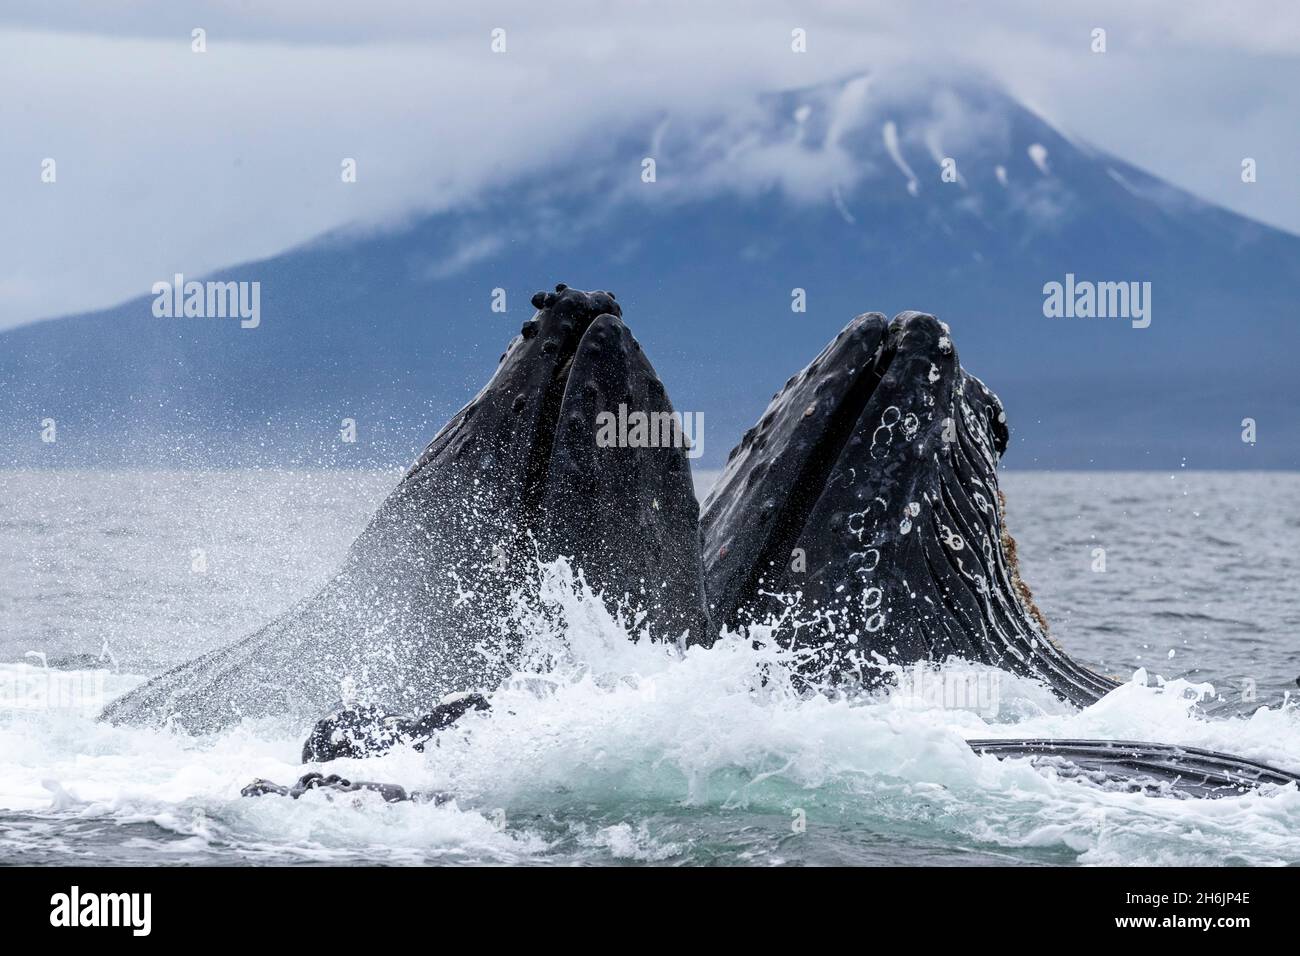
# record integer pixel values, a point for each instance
(168, 159)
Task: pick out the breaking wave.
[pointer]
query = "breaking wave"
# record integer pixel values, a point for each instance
(603, 746)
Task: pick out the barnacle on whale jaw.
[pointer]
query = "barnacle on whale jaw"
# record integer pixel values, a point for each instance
(1013, 562)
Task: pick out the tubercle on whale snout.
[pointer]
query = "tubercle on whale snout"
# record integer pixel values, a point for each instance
(552, 300)
(547, 342)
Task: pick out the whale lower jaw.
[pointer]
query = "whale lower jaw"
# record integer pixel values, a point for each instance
(1154, 769)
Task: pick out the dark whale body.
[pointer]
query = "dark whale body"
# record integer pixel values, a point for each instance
(1154, 769)
(515, 475)
(869, 488)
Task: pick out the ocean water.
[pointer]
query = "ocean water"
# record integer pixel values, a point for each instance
(623, 753)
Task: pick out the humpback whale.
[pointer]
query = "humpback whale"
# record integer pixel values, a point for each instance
(861, 513)
(869, 489)
(867, 493)
(514, 476)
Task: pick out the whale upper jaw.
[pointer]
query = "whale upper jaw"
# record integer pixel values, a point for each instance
(513, 476)
(893, 534)
(624, 511)
(500, 444)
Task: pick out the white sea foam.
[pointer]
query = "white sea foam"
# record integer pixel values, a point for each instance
(604, 747)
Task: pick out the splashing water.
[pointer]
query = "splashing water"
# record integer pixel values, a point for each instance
(603, 746)
(602, 749)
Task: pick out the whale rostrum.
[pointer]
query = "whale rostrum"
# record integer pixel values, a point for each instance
(513, 476)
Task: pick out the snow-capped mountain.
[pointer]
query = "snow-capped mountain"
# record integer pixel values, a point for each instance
(872, 194)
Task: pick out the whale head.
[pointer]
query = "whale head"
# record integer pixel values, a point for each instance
(514, 476)
(624, 513)
(869, 490)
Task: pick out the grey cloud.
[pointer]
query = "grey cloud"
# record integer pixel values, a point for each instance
(172, 161)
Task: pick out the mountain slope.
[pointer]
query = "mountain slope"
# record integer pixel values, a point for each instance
(835, 190)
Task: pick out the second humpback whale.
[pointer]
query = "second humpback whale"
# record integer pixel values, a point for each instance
(869, 488)
(862, 516)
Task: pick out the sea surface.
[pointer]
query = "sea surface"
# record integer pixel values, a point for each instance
(1182, 584)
